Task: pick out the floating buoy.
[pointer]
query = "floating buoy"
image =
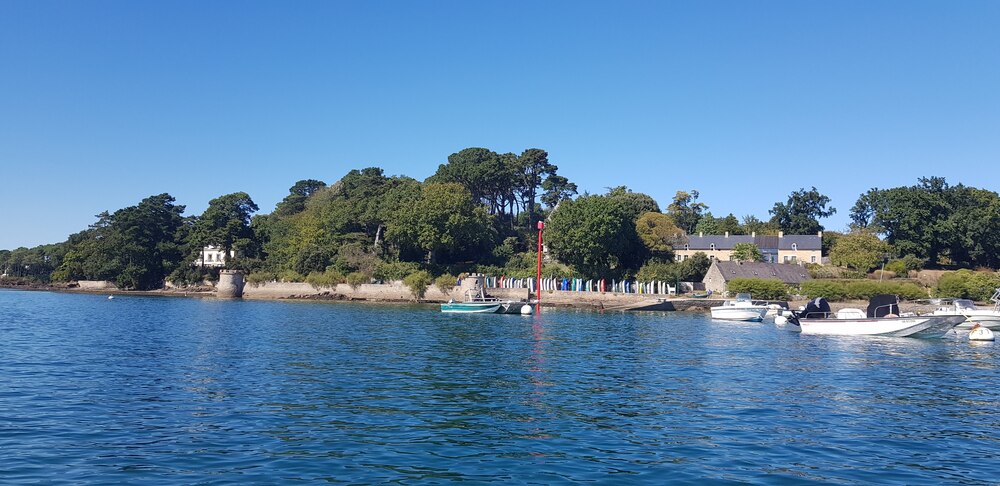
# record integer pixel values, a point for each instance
(110, 297)
(780, 320)
(980, 333)
(526, 310)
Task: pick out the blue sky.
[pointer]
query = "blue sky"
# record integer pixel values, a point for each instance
(104, 103)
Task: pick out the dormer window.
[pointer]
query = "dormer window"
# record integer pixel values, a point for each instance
(687, 247)
(795, 247)
(712, 246)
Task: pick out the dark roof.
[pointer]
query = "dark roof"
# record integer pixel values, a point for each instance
(802, 242)
(721, 242)
(786, 272)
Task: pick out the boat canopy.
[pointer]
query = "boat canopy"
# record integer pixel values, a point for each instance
(883, 305)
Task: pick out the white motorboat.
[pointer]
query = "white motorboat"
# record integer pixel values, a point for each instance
(988, 318)
(881, 319)
(740, 309)
(476, 302)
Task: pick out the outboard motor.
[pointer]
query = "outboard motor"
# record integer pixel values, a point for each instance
(817, 308)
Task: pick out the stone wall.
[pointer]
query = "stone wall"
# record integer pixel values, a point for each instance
(97, 285)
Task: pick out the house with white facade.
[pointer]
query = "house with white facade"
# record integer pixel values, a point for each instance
(212, 256)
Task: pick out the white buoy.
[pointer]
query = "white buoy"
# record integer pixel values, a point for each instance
(526, 310)
(780, 320)
(110, 297)
(980, 333)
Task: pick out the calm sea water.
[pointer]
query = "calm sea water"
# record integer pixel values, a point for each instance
(167, 390)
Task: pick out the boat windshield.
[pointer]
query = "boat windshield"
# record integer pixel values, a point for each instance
(965, 304)
(742, 297)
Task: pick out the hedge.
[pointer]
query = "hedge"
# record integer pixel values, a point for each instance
(759, 288)
(860, 290)
(968, 284)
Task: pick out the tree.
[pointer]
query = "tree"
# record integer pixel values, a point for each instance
(859, 250)
(445, 223)
(935, 221)
(686, 211)
(800, 215)
(295, 201)
(752, 225)
(597, 234)
(658, 233)
(557, 189)
(746, 252)
(226, 223)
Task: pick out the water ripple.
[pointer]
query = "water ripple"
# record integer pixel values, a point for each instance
(146, 390)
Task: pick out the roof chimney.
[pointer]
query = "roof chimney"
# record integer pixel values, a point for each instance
(727, 234)
(753, 234)
(701, 234)
(781, 234)
(820, 234)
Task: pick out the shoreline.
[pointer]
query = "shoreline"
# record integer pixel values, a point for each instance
(561, 299)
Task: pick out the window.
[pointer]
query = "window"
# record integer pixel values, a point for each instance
(795, 247)
(680, 257)
(812, 259)
(712, 246)
(687, 247)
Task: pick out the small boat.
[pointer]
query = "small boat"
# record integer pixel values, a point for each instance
(988, 318)
(476, 302)
(740, 309)
(701, 296)
(881, 319)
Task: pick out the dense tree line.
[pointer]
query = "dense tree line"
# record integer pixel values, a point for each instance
(477, 213)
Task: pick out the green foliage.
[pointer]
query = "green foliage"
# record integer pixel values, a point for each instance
(834, 290)
(445, 283)
(968, 284)
(328, 278)
(859, 250)
(658, 233)
(192, 275)
(418, 282)
(800, 214)
(445, 224)
(659, 270)
(290, 276)
(226, 224)
(747, 252)
(903, 266)
(298, 194)
(597, 234)
(356, 279)
(759, 288)
(686, 212)
(831, 290)
(261, 277)
(710, 225)
(935, 221)
(390, 271)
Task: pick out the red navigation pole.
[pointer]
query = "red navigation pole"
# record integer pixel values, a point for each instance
(538, 281)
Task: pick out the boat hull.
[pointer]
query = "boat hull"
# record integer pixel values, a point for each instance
(471, 307)
(919, 327)
(987, 318)
(739, 313)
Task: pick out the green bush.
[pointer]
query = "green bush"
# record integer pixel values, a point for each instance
(418, 282)
(290, 276)
(445, 283)
(759, 288)
(355, 279)
(831, 290)
(261, 277)
(968, 284)
(389, 271)
(861, 290)
(329, 278)
(659, 270)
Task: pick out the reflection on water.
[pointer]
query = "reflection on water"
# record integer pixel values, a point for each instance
(185, 391)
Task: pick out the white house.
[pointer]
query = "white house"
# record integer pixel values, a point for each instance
(212, 256)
